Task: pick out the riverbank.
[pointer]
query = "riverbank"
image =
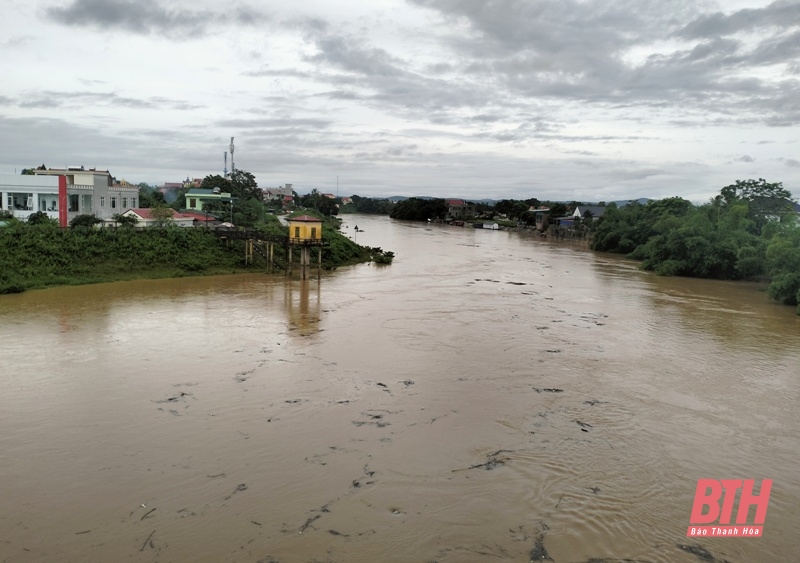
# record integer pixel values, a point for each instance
(41, 256)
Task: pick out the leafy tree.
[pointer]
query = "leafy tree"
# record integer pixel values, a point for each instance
(529, 218)
(162, 215)
(558, 210)
(512, 208)
(624, 229)
(243, 186)
(85, 220)
(248, 213)
(216, 181)
(783, 264)
(370, 205)
(319, 202)
(416, 209)
(41, 218)
(150, 196)
(765, 200)
(125, 220)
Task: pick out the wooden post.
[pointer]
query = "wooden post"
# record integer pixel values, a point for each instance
(319, 262)
(305, 251)
(270, 255)
(289, 262)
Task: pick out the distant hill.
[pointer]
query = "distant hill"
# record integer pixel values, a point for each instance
(396, 198)
(624, 202)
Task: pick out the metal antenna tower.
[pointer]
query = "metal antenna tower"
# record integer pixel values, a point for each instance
(233, 167)
(225, 170)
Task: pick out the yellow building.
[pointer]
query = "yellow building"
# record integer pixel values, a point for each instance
(305, 230)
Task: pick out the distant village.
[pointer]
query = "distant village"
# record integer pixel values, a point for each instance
(62, 194)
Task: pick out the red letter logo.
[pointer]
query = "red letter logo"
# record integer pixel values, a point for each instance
(709, 493)
(702, 498)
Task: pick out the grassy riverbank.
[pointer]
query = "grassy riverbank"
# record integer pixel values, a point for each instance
(39, 256)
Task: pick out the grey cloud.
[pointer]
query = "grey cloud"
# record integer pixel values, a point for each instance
(745, 158)
(148, 16)
(18, 41)
(792, 162)
(779, 14)
(348, 56)
(778, 49)
(486, 118)
(572, 50)
(53, 99)
(275, 123)
(341, 95)
(386, 81)
(276, 72)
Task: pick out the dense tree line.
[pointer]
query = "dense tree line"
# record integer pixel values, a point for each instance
(748, 231)
(371, 205)
(416, 209)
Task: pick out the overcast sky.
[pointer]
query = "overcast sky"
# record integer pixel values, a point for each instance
(557, 99)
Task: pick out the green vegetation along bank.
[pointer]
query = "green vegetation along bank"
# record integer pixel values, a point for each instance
(43, 255)
(749, 231)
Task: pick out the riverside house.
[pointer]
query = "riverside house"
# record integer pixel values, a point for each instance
(93, 192)
(197, 199)
(23, 196)
(145, 218)
(65, 193)
(592, 212)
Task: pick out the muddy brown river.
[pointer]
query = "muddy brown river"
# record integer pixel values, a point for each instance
(490, 396)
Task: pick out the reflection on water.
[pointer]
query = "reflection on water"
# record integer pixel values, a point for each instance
(488, 396)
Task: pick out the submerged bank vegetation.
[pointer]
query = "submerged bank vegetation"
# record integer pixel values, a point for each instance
(749, 231)
(40, 254)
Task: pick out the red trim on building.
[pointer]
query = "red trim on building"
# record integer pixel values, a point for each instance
(62, 201)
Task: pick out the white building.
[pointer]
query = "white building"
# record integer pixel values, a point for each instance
(66, 193)
(93, 192)
(145, 218)
(277, 194)
(25, 195)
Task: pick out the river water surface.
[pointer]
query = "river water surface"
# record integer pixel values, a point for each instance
(490, 396)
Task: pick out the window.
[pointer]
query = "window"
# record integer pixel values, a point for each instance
(113, 202)
(297, 232)
(102, 201)
(313, 233)
(133, 202)
(124, 202)
(73, 203)
(86, 203)
(192, 203)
